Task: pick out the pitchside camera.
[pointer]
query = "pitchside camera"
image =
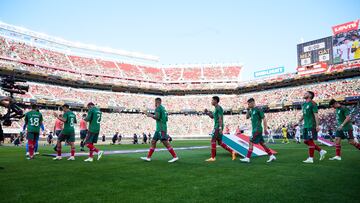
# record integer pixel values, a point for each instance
(14, 111)
(14, 86)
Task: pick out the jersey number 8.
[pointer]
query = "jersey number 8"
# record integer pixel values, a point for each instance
(72, 122)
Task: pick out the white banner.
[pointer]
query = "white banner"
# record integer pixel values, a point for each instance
(314, 47)
(305, 61)
(324, 57)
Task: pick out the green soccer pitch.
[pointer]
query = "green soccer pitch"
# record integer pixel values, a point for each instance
(126, 178)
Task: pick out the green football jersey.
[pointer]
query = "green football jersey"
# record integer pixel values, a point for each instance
(218, 113)
(33, 119)
(256, 115)
(70, 118)
(309, 108)
(341, 114)
(161, 123)
(94, 119)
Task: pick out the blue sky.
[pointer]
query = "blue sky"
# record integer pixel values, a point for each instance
(260, 34)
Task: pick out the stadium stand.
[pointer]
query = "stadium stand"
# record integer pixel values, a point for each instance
(151, 73)
(173, 74)
(192, 74)
(190, 124)
(324, 91)
(45, 64)
(186, 126)
(24, 52)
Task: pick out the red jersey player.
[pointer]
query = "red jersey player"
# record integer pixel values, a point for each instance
(83, 131)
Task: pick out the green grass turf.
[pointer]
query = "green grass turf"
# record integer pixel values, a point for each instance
(126, 178)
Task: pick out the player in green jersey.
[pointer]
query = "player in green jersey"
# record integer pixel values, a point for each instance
(258, 121)
(344, 128)
(94, 119)
(217, 134)
(161, 118)
(68, 132)
(311, 126)
(33, 123)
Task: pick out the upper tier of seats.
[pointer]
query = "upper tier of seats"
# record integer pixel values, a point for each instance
(99, 66)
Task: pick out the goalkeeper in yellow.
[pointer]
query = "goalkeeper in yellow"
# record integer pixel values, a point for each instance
(284, 134)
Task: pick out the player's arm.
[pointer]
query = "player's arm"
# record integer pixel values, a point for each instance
(316, 116)
(89, 116)
(54, 127)
(262, 116)
(248, 114)
(301, 119)
(220, 114)
(317, 121)
(154, 116)
(26, 122)
(209, 113)
(42, 122)
(347, 119)
(61, 118)
(220, 122)
(265, 125)
(42, 126)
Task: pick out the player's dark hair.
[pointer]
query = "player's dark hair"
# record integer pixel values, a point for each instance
(250, 100)
(33, 106)
(84, 115)
(158, 99)
(216, 98)
(66, 106)
(312, 94)
(332, 102)
(91, 104)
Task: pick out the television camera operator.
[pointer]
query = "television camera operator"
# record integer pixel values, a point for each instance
(14, 111)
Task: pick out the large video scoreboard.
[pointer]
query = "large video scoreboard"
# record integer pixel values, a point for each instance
(315, 56)
(312, 52)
